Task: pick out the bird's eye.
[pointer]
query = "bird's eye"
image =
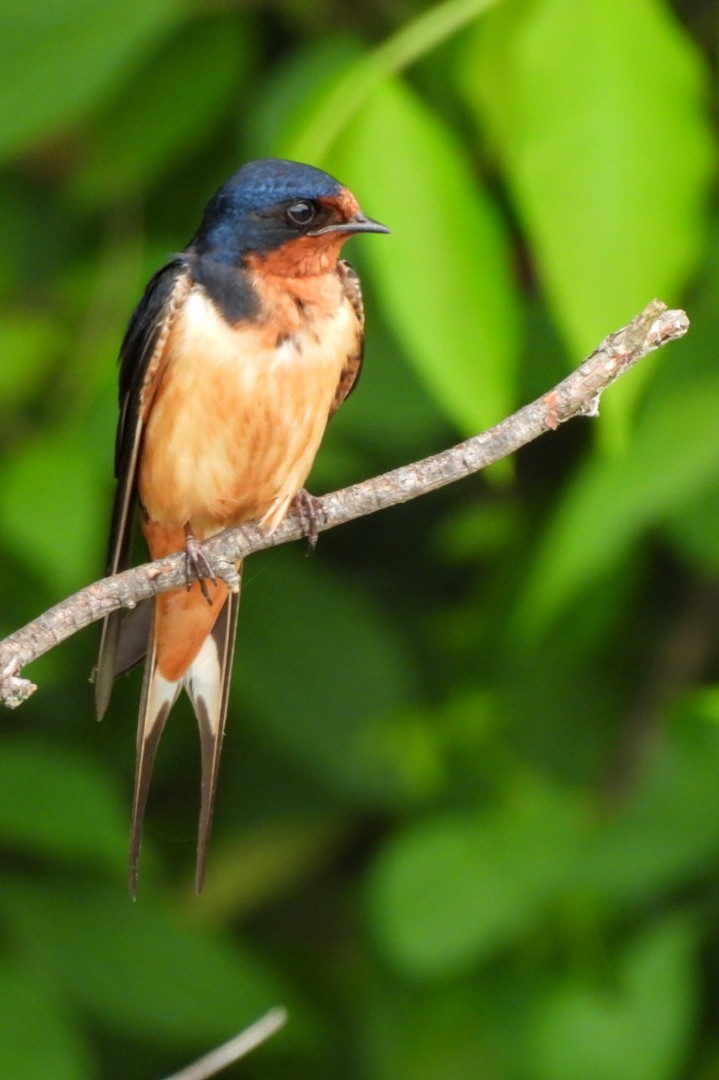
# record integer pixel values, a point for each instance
(300, 213)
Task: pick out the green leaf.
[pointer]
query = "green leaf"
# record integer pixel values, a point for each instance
(593, 107)
(611, 501)
(636, 1030)
(449, 893)
(163, 111)
(59, 57)
(444, 275)
(49, 499)
(257, 865)
(693, 529)
(295, 89)
(59, 806)
(329, 707)
(28, 344)
(35, 1036)
(138, 969)
(436, 1032)
(666, 833)
(343, 104)
(692, 524)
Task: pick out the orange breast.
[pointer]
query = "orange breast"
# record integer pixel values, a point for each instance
(240, 411)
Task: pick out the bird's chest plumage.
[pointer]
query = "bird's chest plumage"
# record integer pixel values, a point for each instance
(239, 412)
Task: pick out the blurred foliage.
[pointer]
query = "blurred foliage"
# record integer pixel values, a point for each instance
(468, 823)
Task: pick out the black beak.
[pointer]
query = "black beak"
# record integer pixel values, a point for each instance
(358, 224)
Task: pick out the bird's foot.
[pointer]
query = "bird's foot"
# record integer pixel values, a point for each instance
(197, 568)
(307, 508)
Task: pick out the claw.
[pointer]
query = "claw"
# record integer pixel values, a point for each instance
(197, 567)
(307, 508)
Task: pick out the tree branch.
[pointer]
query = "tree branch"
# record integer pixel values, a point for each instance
(578, 394)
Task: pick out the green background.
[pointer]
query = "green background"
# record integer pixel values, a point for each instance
(468, 820)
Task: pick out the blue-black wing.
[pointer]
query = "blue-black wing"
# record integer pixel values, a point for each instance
(141, 365)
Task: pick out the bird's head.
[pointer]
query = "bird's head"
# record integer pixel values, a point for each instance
(287, 218)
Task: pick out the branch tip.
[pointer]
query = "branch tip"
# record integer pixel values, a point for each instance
(669, 326)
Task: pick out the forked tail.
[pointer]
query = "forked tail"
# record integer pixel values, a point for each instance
(207, 682)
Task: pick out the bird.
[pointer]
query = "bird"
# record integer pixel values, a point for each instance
(239, 351)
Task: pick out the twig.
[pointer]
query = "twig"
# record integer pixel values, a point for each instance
(236, 1048)
(578, 394)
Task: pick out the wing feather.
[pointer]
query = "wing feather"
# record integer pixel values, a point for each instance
(350, 373)
(142, 358)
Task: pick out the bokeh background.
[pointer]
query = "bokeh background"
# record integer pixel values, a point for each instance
(468, 821)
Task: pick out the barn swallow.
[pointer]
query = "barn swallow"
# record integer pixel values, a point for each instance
(238, 353)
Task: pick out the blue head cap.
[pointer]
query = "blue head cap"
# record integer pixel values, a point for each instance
(265, 183)
(247, 213)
